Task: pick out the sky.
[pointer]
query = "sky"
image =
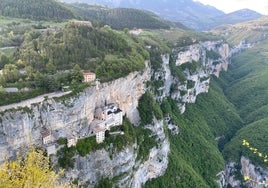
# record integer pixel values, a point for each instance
(228, 6)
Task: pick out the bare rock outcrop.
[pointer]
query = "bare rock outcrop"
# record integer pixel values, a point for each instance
(255, 176)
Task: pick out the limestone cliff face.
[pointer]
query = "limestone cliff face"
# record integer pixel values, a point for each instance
(71, 117)
(90, 169)
(227, 176)
(23, 126)
(258, 175)
(197, 81)
(157, 162)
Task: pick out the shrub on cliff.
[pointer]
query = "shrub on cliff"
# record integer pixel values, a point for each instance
(148, 108)
(33, 170)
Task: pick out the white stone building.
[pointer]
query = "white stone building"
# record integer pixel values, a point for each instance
(106, 117)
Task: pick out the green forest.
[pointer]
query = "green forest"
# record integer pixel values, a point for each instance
(119, 18)
(50, 10)
(45, 49)
(195, 158)
(52, 58)
(35, 9)
(246, 87)
(109, 53)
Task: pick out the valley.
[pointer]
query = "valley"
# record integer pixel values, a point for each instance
(168, 106)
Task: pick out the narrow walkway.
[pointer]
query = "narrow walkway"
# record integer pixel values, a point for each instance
(117, 133)
(8, 47)
(29, 102)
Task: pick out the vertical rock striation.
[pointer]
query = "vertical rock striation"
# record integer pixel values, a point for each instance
(64, 117)
(22, 126)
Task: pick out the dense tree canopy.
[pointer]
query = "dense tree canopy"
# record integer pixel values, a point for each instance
(119, 18)
(108, 53)
(34, 9)
(246, 86)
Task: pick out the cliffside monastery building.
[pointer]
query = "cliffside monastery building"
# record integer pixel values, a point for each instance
(105, 117)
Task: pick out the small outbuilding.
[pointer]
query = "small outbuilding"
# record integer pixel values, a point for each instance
(89, 76)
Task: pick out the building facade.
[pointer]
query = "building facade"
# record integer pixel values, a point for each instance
(89, 76)
(106, 117)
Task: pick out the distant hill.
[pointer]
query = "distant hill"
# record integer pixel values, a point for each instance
(237, 17)
(119, 18)
(35, 9)
(51, 10)
(192, 14)
(250, 32)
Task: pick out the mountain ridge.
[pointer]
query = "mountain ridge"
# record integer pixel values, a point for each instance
(119, 18)
(189, 12)
(51, 10)
(192, 14)
(176, 77)
(237, 17)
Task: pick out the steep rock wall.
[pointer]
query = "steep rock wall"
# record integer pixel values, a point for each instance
(23, 126)
(258, 176)
(157, 162)
(183, 92)
(90, 169)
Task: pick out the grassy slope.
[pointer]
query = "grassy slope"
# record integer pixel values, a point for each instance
(251, 31)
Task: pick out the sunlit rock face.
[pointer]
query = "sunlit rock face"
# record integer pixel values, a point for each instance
(197, 81)
(22, 125)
